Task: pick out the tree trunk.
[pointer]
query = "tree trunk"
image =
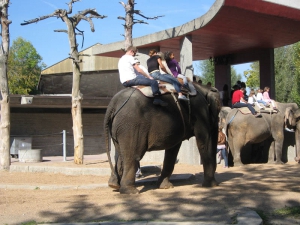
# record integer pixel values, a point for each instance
(76, 96)
(129, 24)
(5, 104)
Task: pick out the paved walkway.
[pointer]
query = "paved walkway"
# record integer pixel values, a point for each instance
(91, 167)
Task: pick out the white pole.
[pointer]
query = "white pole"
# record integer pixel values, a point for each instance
(64, 145)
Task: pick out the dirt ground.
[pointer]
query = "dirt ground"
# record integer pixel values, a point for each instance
(261, 187)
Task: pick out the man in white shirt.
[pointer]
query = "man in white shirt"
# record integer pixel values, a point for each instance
(127, 66)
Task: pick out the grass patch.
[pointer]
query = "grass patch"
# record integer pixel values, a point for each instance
(289, 212)
(30, 223)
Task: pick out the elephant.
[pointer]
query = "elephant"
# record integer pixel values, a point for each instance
(136, 126)
(245, 129)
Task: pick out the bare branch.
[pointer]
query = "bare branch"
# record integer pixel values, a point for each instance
(139, 21)
(70, 4)
(93, 14)
(57, 13)
(123, 4)
(138, 12)
(121, 18)
(64, 31)
(84, 55)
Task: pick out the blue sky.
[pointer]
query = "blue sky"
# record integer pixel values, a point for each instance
(54, 47)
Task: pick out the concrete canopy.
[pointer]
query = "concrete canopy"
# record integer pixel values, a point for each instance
(229, 27)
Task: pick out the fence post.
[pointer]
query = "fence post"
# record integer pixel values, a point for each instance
(64, 145)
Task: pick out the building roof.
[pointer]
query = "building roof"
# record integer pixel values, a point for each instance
(89, 63)
(230, 26)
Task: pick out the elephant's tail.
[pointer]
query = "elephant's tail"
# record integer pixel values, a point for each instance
(107, 133)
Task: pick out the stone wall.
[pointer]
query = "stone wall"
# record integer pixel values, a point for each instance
(45, 126)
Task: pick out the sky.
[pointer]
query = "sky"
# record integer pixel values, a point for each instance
(54, 47)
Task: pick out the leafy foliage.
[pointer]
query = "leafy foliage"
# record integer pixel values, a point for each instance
(234, 76)
(252, 76)
(208, 73)
(24, 67)
(295, 94)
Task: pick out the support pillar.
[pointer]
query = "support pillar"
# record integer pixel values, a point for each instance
(266, 67)
(186, 57)
(222, 76)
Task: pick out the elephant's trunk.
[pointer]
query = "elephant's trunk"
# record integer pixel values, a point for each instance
(297, 138)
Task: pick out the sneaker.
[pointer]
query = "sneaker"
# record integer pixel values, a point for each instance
(187, 87)
(257, 115)
(138, 176)
(225, 167)
(289, 130)
(160, 102)
(182, 97)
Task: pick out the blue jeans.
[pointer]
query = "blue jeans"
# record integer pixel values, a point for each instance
(240, 105)
(263, 102)
(141, 80)
(224, 154)
(167, 78)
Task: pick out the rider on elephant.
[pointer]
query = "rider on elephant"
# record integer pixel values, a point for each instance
(128, 77)
(238, 101)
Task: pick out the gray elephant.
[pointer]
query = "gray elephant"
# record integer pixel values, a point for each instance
(137, 126)
(245, 129)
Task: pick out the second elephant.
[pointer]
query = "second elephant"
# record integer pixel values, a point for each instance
(245, 129)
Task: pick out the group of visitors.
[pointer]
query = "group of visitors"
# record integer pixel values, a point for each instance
(161, 67)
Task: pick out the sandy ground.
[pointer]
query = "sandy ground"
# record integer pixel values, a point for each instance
(261, 187)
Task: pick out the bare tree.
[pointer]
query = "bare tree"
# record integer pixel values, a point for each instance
(130, 20)
(5, 104)
(72, 22)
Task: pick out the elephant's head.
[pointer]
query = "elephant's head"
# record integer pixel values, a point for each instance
(222, 116)
(291, 120)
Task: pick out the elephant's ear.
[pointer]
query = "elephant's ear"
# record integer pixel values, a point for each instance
(289, 116)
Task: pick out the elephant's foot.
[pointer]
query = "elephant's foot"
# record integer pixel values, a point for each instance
(113, 182)
(275, 162)
(129, 190)
(164, 184)
(238, 163)
(210, 183)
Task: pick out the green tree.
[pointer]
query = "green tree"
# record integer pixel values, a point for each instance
(296, 71)
(285, 76)
(252, 76)
(24, 67)
(234, 76)
(207, 71)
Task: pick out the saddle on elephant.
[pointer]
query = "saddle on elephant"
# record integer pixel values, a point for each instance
(263, 109)
(165, 88)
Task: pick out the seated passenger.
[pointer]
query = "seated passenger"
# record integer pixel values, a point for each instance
(175, 68)
(267, 97)
(252, 99)
(238, 101)
(260, 98)
(154, 63)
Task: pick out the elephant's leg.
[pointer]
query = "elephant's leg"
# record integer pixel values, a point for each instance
(271, 157)
(168, 167)
(237, 152)
(208, 157)
(128, 177)
(278, 152)
(115, 177)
